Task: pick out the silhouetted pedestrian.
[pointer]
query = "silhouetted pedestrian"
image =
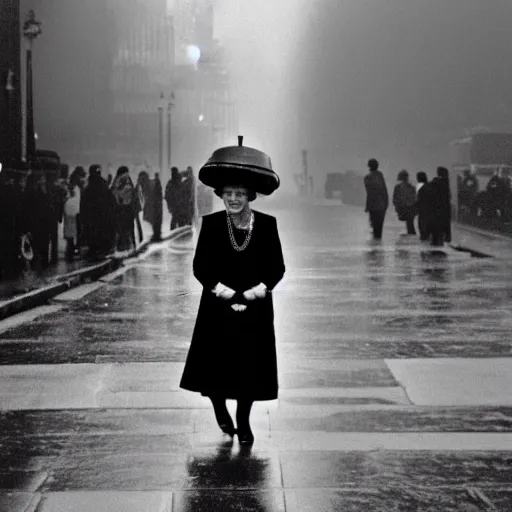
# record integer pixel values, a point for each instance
(78, 180)
(143, 188)
(404, 201)
(377, 198)
(188, 196)
(38, 207)
(498, 193)
(126, 209)
(58, 194)
(468, 191)
(71, 212)
(97, 214)
(423, 206)
(441, 212)
(157, 197)
(172, 198)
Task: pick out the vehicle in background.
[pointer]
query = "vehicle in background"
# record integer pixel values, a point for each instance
(333, 185)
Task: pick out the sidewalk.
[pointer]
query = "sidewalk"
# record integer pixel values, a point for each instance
(36, 288)
(394, 371)
(478, 241)
(482, 241)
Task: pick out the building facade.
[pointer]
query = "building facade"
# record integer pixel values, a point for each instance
(100, 68)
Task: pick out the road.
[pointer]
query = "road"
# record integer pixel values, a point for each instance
(394, 368)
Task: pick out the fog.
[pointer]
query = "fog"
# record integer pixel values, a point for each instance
(261, 43)
(345, 79)
(348, 80)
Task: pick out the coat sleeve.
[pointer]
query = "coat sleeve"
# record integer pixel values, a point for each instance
(385, 192)
(396, 196)
(203, 264)
(275, 269)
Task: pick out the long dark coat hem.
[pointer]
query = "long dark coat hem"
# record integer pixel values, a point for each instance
(233, 354)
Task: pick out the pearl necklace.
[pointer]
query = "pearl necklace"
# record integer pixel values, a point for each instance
(237, 247)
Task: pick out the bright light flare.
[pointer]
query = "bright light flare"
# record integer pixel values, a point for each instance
(193, 54)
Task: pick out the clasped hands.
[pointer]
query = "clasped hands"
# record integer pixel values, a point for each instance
(224, 292)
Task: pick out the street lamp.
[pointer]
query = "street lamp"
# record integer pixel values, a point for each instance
(31, 30)
(161, 105)
(170, 105)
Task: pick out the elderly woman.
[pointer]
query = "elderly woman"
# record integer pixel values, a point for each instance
(238, 261)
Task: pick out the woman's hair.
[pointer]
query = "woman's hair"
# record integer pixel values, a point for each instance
(76, 175)
(442, 172)
(421, 177)
(251, 195)
(95, 169)
(403, 175)
(122, 170)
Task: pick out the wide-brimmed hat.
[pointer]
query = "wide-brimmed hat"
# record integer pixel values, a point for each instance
(240, 165)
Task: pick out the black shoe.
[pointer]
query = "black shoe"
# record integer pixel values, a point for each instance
(245, 437)
(226, 424)
(228, 429)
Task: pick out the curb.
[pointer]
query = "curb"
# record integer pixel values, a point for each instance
(474, 254)
(484, 232)
(73, 279)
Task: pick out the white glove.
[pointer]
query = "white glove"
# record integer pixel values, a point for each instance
(249, 294)
(223, 292)
(260, 291)
(257, 292)
(239, 307)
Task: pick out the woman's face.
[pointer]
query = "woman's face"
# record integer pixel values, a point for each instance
(235, 199)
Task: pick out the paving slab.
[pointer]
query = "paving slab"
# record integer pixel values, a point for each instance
(343, 395)
(106, 502)
(50, 386)
(187, 463)
(387, 441)
(391, 498)
(19, 501)
(485, 381)
(430, 469)
(389, 418)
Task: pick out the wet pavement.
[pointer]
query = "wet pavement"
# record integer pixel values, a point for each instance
(35, 278)
(395, 377)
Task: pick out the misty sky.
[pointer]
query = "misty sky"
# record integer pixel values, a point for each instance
(394, 79)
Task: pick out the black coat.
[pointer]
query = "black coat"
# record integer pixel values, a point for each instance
(97, 214)
(233, 354)
(377, 198)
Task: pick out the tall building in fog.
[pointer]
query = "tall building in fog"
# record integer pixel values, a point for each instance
(142, 69)
(99, 69)
(10, 97)
(206, 112)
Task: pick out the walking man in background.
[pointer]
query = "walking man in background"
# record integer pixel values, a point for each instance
(377, 199)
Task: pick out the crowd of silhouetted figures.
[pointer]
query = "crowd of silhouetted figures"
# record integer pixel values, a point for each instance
(99, 217)
(490, 207)
(429, 201)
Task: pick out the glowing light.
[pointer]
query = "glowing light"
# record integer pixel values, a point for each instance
(201, 118)
(193, 54)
